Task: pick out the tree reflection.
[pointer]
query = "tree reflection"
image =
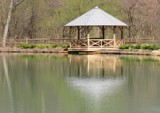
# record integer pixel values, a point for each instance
(6, 74)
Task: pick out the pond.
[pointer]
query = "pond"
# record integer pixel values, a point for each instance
(55, 83)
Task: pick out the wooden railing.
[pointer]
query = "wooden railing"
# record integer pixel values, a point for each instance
(95, 43)
(76, 43)
(102, 43)
(119, 43)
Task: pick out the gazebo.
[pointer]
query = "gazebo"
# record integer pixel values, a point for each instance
(81, 27)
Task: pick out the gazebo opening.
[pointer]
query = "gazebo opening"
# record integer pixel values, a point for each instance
(95, 33)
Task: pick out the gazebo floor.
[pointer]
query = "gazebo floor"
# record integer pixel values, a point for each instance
(92, 50)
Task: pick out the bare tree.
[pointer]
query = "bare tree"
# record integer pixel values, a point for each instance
(142, 17)
(129, 6)
(6, 28)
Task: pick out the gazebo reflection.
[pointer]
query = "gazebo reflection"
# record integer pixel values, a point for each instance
(95, 65)
(92, 77)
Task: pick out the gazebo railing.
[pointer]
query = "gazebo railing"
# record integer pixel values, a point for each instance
(76, 43)
(102, 43)
(95, 43)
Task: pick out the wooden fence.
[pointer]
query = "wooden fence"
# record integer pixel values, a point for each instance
(14, 42)
(141, 41)
(83, 42)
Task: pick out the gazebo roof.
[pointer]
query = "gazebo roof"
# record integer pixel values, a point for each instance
(96, 17)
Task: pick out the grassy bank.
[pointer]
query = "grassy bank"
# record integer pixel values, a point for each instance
(42, 46)
(132, 49)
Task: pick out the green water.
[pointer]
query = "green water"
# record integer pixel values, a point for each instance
(79, 84)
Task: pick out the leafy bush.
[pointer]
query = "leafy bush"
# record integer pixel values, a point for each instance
(42, 46)
(26, 46)
(142, 46)
(135, 46)
(64, 45)
(60, 45)
(124, 47)
(150, 46)
(54, 45)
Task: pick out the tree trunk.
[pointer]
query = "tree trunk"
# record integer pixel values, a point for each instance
(7, 24)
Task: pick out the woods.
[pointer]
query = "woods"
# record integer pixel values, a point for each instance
(46, 19)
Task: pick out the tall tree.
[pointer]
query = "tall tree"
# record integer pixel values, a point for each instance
(11, 7)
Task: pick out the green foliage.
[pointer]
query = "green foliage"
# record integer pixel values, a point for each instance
(135, 46)
(42, 46)
(52, 23)
(64, 45)
(54, 45)
(142, 46)
(150, 46)
(26, 46)
(124, 46)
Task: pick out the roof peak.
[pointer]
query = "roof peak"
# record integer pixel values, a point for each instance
(96, 7)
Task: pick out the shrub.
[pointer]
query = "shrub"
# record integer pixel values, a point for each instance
(150, 46)
(142, 46)
(53, 45)
(64, 45)
(42, 46)
(154, 47)
(135, 46)
(26, 46)
(124, 47)
(60, 45)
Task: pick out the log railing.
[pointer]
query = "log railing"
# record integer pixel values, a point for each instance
(141, 41)
(13, 42)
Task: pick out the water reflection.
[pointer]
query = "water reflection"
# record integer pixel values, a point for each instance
(95, 65)
(9, 87)
(95, 88)
(79, 84)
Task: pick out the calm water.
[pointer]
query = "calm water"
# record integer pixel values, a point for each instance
(79, 84)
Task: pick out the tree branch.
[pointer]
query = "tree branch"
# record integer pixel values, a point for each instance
(18, 3)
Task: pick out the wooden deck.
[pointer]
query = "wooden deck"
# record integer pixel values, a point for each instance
(91, 49)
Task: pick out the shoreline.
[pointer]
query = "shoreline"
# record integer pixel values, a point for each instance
(61, 50)
(35, 50)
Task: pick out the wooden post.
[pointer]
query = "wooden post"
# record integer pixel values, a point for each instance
(114, 36)
(121, 32)
(26, 40)
(103, 32)
(70, 37)
(88, 40)
(78, 32)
